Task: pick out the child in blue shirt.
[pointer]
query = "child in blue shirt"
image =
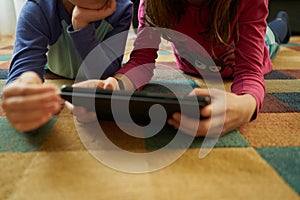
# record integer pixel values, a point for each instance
(59, 34)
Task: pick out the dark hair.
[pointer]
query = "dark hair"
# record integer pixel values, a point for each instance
(167, 13)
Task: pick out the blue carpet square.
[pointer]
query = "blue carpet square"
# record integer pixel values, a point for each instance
(292, 99)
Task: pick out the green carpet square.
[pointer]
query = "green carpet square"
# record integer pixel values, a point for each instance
(168, 133)
(14, 141)
(5, 57)
(286, 161)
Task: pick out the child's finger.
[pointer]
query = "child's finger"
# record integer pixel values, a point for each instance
(18, 89)
(191, 126)
(32, 102)
(69, 106)
(200, 92)
(87, 84)
(206, 111)
(90, 4)
(110, 83)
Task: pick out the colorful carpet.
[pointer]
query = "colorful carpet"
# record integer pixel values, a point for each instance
(260, 160)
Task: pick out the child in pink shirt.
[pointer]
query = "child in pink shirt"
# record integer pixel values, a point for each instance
(236, 36)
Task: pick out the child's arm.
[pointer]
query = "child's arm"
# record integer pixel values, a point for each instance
(251, 51)
(140, 67)
(31, 42)
(110, 47)
(229, 111)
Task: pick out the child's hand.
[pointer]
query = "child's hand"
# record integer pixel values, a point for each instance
(236, 110)
(90, 4)
(110, 83)
(28, 104)
(81, 114)
(81, 17)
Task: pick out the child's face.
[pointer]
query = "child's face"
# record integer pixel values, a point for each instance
(90, 4)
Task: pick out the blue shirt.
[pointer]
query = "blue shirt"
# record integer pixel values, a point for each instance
(45, 36)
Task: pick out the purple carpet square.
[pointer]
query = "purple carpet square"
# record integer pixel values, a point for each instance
(274, 105)
(277, 75)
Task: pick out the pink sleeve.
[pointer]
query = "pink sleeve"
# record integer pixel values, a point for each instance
(248, 76)
(139, 68)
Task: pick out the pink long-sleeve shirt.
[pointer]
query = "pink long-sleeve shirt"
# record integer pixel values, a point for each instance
(246, 63)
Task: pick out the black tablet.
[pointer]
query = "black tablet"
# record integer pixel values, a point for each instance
(134, 106)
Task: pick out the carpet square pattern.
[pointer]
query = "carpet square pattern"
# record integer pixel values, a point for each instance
(260, 160)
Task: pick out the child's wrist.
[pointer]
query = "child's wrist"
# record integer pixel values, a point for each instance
(252, 106)
(124, 82)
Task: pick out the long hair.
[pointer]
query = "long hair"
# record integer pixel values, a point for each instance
(167, 13)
